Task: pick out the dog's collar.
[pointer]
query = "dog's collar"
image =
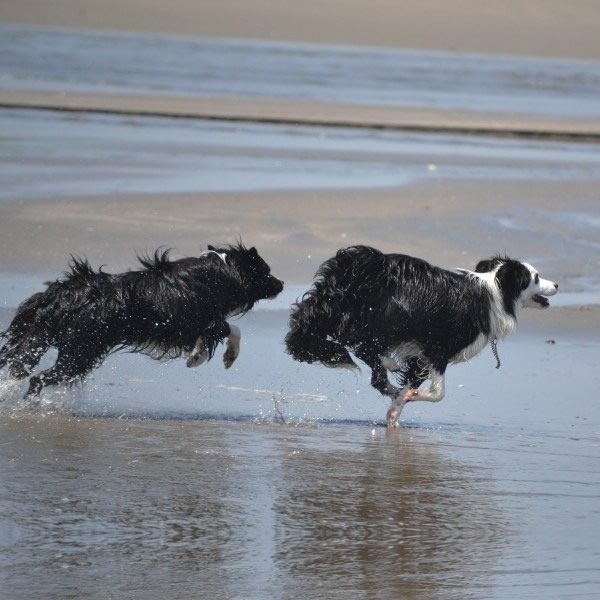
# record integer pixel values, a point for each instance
(221, 255)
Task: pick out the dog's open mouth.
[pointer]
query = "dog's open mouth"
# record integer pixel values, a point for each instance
(541, 300)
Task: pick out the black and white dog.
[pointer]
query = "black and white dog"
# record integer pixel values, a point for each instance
(166, 309)
(401, 314)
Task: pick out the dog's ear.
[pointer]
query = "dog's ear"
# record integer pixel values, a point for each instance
(210, 247)
(514, 275)
(512, 278)
(487, 266)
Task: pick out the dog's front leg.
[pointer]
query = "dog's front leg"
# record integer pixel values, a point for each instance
(233, 346)
(434, 393)
(205, 344)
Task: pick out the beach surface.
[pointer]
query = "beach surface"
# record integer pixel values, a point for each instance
(473, 131)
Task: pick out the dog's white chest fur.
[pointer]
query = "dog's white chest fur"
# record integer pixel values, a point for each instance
(407, 350)
(471, 350)
(401, 353)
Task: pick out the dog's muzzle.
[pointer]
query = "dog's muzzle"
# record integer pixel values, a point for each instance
(549, 288)
(275, 287)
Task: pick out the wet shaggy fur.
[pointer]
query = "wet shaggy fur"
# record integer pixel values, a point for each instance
(399, 313)
(161, 310)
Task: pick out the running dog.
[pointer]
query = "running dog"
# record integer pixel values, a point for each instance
(399, 313)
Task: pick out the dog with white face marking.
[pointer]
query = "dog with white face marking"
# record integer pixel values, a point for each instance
(166, 309)
(400, 314)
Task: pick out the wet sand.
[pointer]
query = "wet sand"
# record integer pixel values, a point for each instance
(457, 230)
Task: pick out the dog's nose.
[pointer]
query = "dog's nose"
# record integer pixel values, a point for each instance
(556, 286)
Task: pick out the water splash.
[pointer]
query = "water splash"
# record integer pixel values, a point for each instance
(13, 402)
(10, 389)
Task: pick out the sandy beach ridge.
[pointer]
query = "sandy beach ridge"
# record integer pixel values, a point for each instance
(312, 113)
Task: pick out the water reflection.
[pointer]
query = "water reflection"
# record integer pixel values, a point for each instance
(394, 518)
(134, 502)
(208, 509)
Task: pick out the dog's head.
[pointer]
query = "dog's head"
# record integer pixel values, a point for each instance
(519, 283)
(253, 270)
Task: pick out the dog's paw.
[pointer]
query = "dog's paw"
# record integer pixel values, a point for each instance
(230, 355)
(392, 417)
(197, 359)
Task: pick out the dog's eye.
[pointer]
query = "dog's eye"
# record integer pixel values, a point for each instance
(537, 278)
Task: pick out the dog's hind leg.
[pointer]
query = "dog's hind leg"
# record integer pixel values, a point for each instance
(3, 357)
(380, 381)
(379, 378)
(26, 357)
(307, 339)
(198, 355)
(69, 367)
(23, 358)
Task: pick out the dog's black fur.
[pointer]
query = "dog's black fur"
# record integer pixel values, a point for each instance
(160, 310)
(370, 303)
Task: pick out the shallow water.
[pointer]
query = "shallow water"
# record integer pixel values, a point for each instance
(278, 480)
(212, 509)
(46, 154)
(39, 58)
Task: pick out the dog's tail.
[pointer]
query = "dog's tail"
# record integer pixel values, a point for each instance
(29, 334)
(323, 310)
(307, 340)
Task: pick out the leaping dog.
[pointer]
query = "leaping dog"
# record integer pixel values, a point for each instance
(166, 309)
